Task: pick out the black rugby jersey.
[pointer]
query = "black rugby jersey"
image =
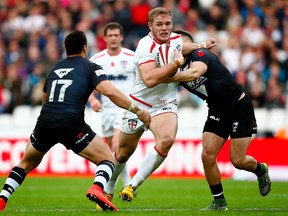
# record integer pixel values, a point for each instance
(69, 85)
(217, 85)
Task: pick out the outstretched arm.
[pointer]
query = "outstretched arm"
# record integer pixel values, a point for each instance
(196, 70)
(120, 99)
(190, 47)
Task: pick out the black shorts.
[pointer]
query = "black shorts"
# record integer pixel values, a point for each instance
(51, 129)
(237, 122)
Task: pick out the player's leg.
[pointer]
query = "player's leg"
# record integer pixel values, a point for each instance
(242, 161)
(125, 175)
(212, 144)
(127, 145)
(98, 153)
(241, 135)
(164, 128)
(31, 159)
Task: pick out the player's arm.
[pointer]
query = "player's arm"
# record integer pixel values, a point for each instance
(153, 75)
(190, 47)
(120, 99)
(196, 70)
(95, 104)
(44, 98)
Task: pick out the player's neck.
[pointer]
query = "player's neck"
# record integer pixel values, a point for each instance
(113, 52)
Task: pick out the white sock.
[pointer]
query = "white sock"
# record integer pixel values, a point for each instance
(125, 175)
(150, 163)
(111, 184)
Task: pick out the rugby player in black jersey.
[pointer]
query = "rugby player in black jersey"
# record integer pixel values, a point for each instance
(65, 94)
(230, 113)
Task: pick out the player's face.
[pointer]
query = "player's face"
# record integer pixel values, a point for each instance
(161, 28)
(113, 39)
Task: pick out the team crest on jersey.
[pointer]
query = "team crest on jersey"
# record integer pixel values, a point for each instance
(124, 63)
(132, 123)
(63, 71)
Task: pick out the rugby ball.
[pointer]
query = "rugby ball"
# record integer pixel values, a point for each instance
(165, 55)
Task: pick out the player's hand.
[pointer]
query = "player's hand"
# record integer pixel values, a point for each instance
(210, 43)
(145, 118)
(96, 105)
(178, 56)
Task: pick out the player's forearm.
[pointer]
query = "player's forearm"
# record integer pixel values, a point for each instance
(158, 75)
(184, 76)
(190, 47)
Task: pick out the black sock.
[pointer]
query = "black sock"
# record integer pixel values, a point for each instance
(217, 191)
(18, 175)
(259, 171)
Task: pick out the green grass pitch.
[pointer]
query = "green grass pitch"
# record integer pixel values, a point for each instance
(157, 196)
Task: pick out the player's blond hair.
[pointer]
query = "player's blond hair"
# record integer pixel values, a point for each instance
(156, 12)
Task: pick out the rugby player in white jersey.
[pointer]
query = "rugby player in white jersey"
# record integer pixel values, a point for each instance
(118, 63)
(151, 92)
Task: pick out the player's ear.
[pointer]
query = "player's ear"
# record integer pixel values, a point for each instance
(149, 24)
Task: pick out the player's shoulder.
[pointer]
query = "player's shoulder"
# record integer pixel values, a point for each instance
(202, 52)
(175, 36)
(98, 55)
(128, 52)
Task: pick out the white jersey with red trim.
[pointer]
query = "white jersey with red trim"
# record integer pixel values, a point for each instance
(120, 70)
(162, 93)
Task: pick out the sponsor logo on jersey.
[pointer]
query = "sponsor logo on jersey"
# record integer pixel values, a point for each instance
(81, 137)
(100, 72)
(214, 118)
(196, 83)
(132, 123)
(63, 71)
(117, 77)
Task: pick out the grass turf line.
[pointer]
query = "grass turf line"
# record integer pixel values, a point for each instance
(157, 197)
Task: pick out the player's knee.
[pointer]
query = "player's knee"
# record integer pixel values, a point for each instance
(237, 162)
(208, 157)
(165, 144)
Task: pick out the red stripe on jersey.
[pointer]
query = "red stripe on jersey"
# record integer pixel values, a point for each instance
(140, 101)
(129, 54)
(175, 37)
(146, 62)
(152, 47)
(96, 57)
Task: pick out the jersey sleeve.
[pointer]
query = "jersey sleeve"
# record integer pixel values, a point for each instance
(202, 55)
(98, 74)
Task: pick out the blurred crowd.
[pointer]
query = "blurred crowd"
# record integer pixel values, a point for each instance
(251, 35)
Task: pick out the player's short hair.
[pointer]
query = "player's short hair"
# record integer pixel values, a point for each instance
(113, 25)
(74, 42)
(156, 12)
(184, 33)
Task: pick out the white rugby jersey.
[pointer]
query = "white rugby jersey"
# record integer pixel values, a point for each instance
(162, 93)
(120, 70)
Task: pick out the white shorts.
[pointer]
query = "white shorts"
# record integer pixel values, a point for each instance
(131, 122)
(111, 119)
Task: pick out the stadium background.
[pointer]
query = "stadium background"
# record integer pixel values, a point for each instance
(252, 40)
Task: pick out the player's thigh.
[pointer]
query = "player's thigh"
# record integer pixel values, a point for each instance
(164, 126)
(96, 151)
(238, 148)
(128, 142)
(31, 158)
(212, 143)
